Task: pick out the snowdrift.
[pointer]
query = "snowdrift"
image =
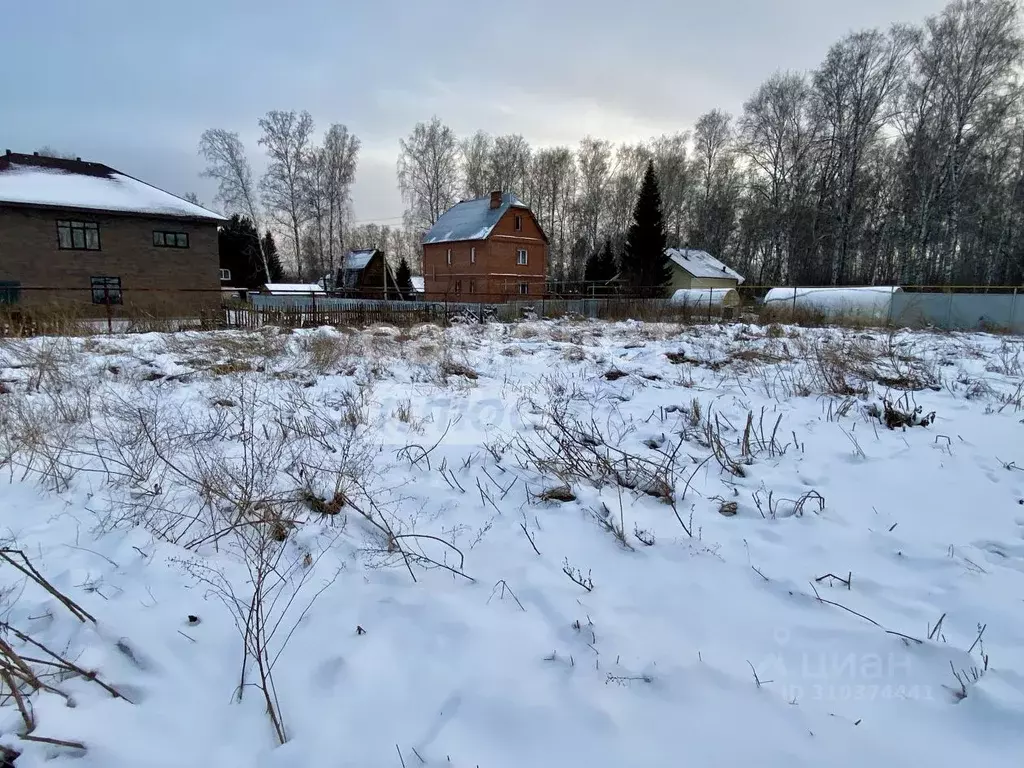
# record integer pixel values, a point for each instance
(867, 301)
(706, 297)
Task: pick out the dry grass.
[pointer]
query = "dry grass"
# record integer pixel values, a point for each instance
(323, 351)
(448, 368)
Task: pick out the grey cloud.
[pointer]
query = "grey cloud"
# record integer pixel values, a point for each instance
(134, 84)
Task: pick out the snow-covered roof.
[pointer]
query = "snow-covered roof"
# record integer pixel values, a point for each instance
(284, 288)
(58, 183)
(471, 219)
(358, 259)
(702, 264)
(419, 283)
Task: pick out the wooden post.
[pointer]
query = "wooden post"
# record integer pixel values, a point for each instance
(106, 300)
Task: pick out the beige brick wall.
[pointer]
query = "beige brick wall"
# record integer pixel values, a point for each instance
(683, 279)
(29, 254)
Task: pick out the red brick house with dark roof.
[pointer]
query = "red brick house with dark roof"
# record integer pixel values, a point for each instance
(83, 233)
(488, 249)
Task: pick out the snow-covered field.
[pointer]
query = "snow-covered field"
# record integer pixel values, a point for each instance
(543, 544)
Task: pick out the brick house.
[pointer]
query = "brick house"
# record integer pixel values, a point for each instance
(488, 249)
(85, 235)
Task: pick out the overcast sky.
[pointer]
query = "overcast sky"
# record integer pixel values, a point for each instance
(133, 84)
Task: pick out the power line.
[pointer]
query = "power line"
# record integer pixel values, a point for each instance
(378, 220)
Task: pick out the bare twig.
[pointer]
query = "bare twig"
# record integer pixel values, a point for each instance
(530, 538)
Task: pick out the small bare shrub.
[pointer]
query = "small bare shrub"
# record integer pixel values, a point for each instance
(323, 351)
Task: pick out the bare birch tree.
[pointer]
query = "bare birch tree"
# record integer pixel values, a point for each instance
(428, 173)
(509, 164)
(672, 164)
(476, 161)
(227, 163)
(341, 150)
(286, 139)
(594, 161)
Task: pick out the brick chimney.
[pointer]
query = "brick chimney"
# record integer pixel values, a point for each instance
(496, 199)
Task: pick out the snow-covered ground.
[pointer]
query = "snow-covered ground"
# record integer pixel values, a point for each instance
(543, 544)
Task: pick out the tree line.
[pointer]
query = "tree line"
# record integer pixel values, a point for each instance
(304, 195)
(900, 158)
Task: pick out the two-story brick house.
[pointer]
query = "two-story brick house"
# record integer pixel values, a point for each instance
(488, 249)
(85, 235)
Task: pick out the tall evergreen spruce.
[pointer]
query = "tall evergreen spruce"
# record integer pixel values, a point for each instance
(239, 244)
(404, 279)
(645, 267)
(601, 266)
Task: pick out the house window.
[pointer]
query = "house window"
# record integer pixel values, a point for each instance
(78, 236)
(519, 223)
(472, 286)
(449, 256)
(524, 288)
(521, 257)
(472, 255)
(170, 239)
(458, 286)
(225, 274)
(106, 290)
(10, 291)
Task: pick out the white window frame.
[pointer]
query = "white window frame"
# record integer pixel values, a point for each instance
(522, 257)
(449, 257)
(472, 255)
(458, 286)
(472, 286)
(225, 274)
(524, 289)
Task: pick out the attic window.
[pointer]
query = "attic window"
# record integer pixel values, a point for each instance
(519, 223)
(78, 236)
(472, 255)
(449, 256)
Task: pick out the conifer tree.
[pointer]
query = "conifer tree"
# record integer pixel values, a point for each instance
(601, 266)
(404, 279)
(645, 267)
